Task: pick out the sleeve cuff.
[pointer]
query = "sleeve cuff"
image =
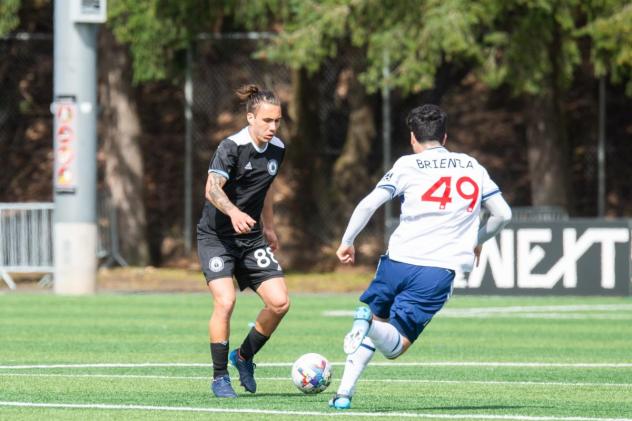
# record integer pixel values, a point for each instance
(220, 172)
(488, 195)
(389, 188)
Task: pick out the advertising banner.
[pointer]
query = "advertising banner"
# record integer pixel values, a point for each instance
(65, 144)
(574, 257)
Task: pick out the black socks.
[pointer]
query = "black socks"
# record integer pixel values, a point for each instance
(219, 351)
(252, 344)
(219, 354)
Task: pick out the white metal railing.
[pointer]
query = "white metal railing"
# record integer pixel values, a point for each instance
(26, 239)
(538, 213)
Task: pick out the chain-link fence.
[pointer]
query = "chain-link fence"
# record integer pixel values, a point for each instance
(26, 78)
(26, 140)
(221, 65)
(224, 63)
(219, 68)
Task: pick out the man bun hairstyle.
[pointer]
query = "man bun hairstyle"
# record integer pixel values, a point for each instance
(427, 123)
(253, 96)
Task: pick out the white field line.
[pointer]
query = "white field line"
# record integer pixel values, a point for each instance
(548, 312)
(557, 308)
(329, 413)
(510, 315)
(569, 316)
(106, 365)
(288, 379)
(341, 363)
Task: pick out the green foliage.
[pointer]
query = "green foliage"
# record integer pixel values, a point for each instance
(415, 37)
(257, 15)
(310, 33)
(156, 30)
(9, 19)
(611, 35)
(531, 46)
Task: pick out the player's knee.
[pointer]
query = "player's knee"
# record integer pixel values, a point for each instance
(395, 353)
(224, 305)
(281, 307)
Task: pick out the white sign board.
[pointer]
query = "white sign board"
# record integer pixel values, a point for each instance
(88, 11)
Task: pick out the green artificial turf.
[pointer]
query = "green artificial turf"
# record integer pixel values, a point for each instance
(482, 357)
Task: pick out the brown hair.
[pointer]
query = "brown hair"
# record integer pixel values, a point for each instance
(253, 95)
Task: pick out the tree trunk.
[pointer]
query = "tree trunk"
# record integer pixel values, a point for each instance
(310, 201)
(546, 153)
(120, 132)
(547, 140)
(351, 179)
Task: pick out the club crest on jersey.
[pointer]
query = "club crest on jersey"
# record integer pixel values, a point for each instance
(216, 264)
(273, 166)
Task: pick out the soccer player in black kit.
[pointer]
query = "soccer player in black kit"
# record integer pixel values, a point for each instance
(236, 236)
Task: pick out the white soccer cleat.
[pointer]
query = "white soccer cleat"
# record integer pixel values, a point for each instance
(359, 330)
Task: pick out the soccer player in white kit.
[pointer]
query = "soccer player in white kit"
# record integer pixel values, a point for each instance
(441, 195)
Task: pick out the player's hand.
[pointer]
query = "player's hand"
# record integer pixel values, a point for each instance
(477, 254)
(272, 239)
(242, 222)
(346, 254)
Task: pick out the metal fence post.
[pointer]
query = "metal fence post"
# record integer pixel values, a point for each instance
(74, 179)
(386, 140)
(601, 151)
(188, 153)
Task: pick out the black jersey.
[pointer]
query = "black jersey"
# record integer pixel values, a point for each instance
(249, 171)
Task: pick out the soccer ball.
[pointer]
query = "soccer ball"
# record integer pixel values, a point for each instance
(311, 373)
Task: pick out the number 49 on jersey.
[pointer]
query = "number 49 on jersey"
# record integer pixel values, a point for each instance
(465, 187)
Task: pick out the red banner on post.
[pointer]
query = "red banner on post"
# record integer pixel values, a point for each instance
(65, 138)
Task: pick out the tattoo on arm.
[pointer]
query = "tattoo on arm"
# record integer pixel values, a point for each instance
(216, 195)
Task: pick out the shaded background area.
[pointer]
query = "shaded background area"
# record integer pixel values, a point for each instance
(332, 129)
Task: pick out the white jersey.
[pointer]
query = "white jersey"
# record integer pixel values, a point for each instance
(441, 194)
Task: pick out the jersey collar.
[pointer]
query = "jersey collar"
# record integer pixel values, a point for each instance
(435, 148)
(254, 145)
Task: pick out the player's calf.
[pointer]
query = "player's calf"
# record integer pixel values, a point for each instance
(361, 323)
(387, 339)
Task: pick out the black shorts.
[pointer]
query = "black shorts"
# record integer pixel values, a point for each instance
(250, 260)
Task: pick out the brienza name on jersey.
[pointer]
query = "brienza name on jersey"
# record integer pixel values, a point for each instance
(444, 163)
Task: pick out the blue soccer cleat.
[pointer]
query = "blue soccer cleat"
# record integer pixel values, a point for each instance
(340, 402)
(222, 388)
(359, 329)
(246, 370)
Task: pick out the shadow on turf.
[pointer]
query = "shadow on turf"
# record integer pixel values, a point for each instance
(263, 395)
(460, 408)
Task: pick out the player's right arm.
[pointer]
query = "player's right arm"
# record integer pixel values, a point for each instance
(360, 217)
(500, 215)
(242, 222)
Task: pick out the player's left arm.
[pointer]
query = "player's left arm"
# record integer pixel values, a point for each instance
(267, 217)
(500, 215)
(360, 217)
